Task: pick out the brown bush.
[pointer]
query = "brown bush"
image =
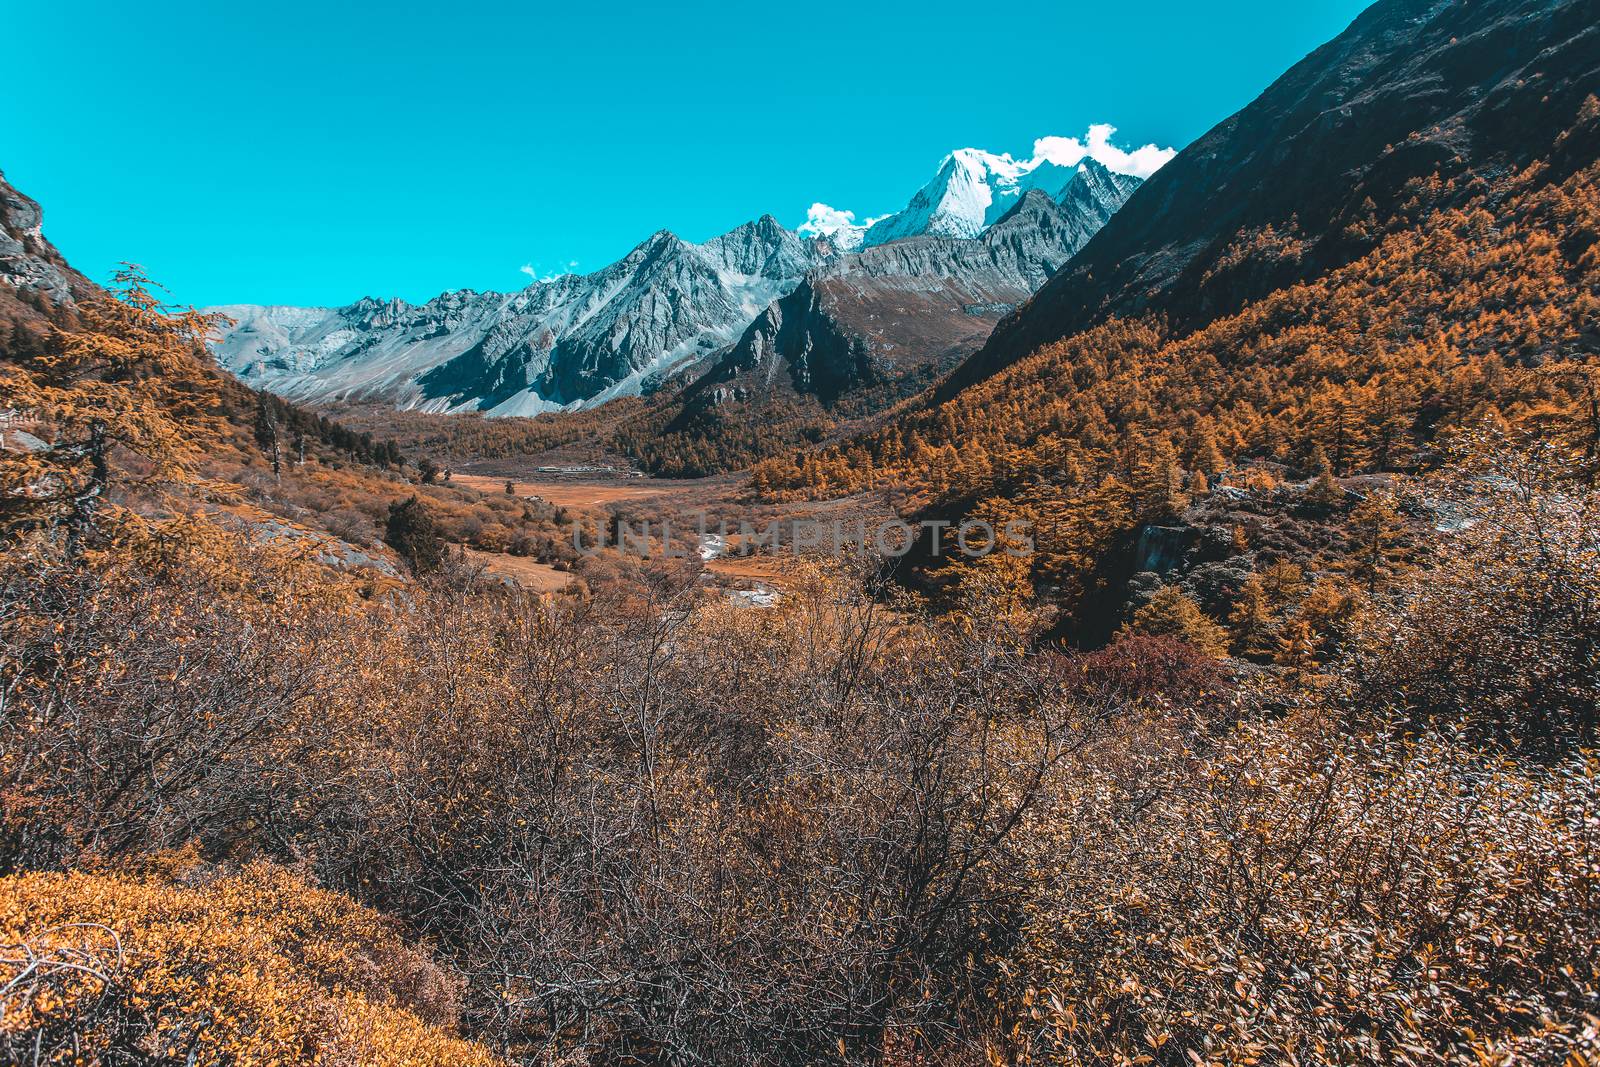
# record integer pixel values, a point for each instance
(1302, 894)
(645, 824)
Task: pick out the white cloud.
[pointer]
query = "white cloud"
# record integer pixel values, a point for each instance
(532, 271)
(841, 226)
(1069, 152)
(822, 220)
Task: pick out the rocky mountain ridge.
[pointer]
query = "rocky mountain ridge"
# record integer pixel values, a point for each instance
(671, 308)
(1415, 99)
(973, 190)
(920, 301)
(566, 340)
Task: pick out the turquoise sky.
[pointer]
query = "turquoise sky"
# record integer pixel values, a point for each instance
(305, 153)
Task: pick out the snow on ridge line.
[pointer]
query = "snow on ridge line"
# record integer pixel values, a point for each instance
(576, 340)
(974, 187)
(669, 302)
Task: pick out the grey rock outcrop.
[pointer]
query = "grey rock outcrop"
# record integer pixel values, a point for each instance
(28, 261)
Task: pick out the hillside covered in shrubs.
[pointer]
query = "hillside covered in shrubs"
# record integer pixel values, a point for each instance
(253, 813)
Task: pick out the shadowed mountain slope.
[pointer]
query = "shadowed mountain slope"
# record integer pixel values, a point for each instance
(1291, 186)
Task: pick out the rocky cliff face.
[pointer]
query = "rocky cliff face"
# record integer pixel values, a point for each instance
(29, 263)
(569, 340)
(666, 305)
(1412, 89)
(669, 307)
(889, 309)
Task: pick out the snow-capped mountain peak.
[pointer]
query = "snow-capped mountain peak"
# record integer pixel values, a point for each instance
(955, 203)
(973, 188)
(571, 340)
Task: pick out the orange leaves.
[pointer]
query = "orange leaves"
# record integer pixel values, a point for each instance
(250, 968)
(1333, 897)
(1170, 613)
(1367, 362)
(116, 402)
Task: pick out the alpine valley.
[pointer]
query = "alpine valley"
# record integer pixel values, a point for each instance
(1116, 610)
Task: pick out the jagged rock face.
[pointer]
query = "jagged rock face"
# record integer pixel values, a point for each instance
(760, 249)
(863, 317)
(568, 340)
(973, 190)
(803, 333)
(670, 306)
(1412, 88)
(1094, 195)
(28, 261)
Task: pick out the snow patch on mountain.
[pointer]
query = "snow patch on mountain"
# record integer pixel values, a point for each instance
(974, 188)
(568, 340)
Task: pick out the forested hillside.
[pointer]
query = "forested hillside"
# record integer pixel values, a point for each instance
(1412, 90)
(1478, 311)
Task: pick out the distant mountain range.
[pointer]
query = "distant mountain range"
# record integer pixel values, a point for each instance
(925, 284)
(570, 340)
